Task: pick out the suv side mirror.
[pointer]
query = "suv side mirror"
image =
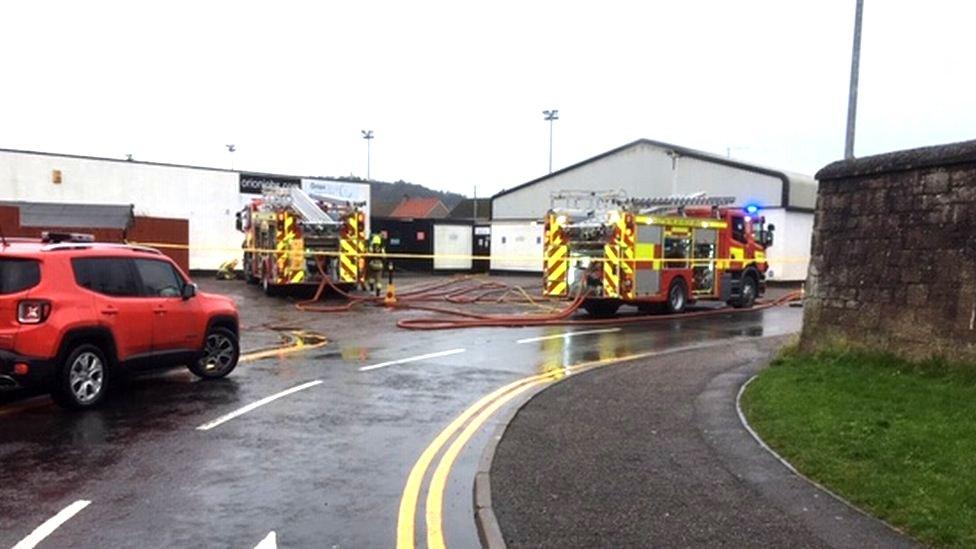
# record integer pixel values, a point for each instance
(189, 290)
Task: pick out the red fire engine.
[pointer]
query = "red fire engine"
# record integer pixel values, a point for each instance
(654, 253)
(287, 232)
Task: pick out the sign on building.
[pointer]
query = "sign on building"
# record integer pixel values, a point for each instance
(253, 183)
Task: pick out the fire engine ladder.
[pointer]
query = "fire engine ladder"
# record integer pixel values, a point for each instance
(670, 202)
(308, 209)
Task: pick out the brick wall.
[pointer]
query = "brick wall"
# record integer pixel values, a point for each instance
(893, 261)
(143, 229)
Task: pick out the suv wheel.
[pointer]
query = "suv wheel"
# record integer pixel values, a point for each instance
(221, 350)
(82, 380)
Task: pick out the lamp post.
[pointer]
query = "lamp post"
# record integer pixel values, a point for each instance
(551, 116)
(855, 70)
(230, 149)
(368, 136)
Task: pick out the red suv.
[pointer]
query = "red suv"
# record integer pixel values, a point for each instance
(74, 314)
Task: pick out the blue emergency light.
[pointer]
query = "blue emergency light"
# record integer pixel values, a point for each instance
(752, 209)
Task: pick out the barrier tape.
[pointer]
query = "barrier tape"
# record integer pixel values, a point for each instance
(394, 255)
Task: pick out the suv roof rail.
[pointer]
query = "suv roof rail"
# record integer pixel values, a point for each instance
(104, 245)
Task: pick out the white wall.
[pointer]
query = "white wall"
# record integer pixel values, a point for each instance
(452, 240)
(516, 246)
(643, 171)
(789, 256)
(207, 198)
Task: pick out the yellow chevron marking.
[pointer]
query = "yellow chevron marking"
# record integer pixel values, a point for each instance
(559, 253)
(559, 289)
(559, 271)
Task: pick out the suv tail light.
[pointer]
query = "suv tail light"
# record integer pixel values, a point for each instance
(33, 311)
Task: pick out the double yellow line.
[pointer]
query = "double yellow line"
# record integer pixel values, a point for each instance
(481, 410)
(466, 426)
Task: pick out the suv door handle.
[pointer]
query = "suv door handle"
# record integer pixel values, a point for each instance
(110, 311)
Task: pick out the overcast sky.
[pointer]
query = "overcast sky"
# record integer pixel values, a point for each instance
(454, 91)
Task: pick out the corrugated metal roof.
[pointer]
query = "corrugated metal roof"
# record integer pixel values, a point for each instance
(53, 214)
(806, 195)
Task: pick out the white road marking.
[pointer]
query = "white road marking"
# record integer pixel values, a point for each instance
(51, 524)
(269, 542)
(241, 411)
(411, 359)
(568, 335)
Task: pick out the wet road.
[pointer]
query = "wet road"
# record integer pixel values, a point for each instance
(323, 466)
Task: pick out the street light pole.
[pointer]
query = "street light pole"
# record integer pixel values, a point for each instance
(551, 116)
(855, 70)
(231, 148)
(368, 136)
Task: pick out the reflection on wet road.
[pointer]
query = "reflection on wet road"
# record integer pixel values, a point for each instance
(326, 465)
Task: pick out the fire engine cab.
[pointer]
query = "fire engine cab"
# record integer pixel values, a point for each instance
(653, 253)
(288, 233)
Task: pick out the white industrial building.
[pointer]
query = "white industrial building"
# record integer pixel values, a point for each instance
(207, 197)
(648, 168)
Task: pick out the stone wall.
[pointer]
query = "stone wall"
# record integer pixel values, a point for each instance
(893, 261)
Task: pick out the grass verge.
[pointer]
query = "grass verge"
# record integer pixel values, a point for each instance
(897, 439)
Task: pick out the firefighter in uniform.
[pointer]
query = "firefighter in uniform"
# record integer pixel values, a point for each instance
(376, 263)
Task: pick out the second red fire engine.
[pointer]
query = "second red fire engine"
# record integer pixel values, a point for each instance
(657, 253)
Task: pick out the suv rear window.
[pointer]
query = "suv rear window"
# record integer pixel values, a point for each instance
(17, 275)
(106, 275)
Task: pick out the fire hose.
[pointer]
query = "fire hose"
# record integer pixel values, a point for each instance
(460, 319)
(418, 299)
(449, 291)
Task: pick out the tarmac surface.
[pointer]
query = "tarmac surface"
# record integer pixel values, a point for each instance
(654, 455)
(324, 465)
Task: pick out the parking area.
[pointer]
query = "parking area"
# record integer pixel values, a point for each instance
(337, 429)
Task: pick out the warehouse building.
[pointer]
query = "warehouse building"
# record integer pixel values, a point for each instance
(206, 198)
(647, 168)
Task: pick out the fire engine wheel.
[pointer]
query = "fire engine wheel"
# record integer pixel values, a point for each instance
(270, 289)
(747, 296)
(601, 308)
(249, 272)
(677, 297)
